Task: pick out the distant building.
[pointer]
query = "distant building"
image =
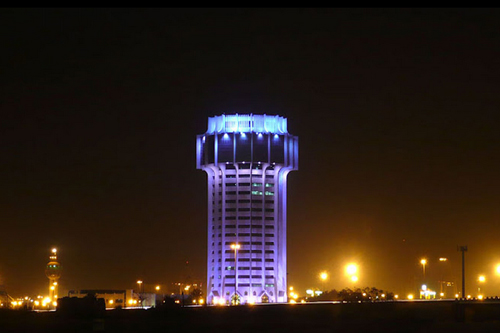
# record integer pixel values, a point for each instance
(118, 298)
(247, 159)
(5, 299)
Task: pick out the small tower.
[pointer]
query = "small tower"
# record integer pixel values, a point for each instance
(53, 272)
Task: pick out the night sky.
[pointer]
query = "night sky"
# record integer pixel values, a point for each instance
(396, 111)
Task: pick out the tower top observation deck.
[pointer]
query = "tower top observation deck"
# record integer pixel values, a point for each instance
(247, 123)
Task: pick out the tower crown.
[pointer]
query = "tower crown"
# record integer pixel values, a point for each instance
(53, 268)
(247, 123)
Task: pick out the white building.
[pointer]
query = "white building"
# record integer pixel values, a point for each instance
(247, 159)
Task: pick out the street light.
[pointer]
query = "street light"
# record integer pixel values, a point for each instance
(480, 279)
(498, 269)
(423, 262)
(351, 269)
(323, 276)
(235, 247)
(141, 290)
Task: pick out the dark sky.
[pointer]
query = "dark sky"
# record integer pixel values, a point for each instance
(396, 111)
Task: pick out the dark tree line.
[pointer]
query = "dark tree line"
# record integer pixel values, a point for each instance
(366, 294)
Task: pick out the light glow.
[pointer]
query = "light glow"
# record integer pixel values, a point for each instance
(410, 296)
(354, 278)
(351, 269)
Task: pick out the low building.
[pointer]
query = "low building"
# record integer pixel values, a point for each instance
(118, 298)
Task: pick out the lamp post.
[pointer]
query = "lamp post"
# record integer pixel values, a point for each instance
(235, 247)
(141, 290)
(463, 249)
(351, 271)
(323, 276)
(423, 262)
(481, 279)
(443, 280)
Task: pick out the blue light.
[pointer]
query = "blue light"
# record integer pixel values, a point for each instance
(203, 139)
(276, 136)
(243, 135)
(225, 136)
(259, 135)
(248, 123)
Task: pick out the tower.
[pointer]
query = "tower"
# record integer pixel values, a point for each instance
(53, 272)
(247, 159)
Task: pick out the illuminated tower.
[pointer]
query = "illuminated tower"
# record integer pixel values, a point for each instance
(53, 272)
(247, 159)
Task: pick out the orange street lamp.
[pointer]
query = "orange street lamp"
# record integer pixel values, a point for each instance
(351, 269)
(235, 247)
(423, 262)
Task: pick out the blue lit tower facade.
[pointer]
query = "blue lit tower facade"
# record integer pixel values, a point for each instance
(247, 159)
